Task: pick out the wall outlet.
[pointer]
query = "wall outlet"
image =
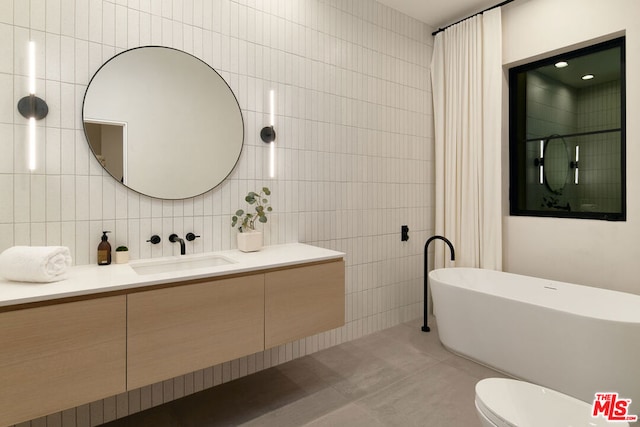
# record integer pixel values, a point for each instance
(404, 233)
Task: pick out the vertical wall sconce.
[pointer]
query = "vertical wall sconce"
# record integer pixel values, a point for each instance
(539, 162)
(574, 164)
(32, 144)
(268, 134)
(31, 107)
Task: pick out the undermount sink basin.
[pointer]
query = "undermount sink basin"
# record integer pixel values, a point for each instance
(180, 264)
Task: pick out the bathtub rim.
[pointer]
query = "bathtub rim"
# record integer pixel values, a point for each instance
(631, 314)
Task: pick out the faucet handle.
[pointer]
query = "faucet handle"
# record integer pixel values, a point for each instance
(155, 239)
(191, 237)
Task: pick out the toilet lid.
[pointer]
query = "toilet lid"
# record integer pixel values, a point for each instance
(508, 402)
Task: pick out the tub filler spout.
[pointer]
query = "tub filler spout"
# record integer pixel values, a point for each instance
(426, 328)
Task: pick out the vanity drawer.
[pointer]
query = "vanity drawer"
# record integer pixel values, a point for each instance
(60, 356)
(303, 301)
(181, 329)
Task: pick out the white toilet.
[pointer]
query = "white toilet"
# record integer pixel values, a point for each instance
(503, 402)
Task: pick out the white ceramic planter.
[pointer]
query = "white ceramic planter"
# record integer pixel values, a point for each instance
(122, 257)
(250, 241)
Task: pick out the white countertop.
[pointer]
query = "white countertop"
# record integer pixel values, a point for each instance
(92, 279)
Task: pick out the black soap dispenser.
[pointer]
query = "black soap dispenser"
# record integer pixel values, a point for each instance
(104, 250)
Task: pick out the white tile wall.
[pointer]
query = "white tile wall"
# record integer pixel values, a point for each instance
(354, 156)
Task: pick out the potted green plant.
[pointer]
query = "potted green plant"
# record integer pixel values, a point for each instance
(122, 255)
(249, 239)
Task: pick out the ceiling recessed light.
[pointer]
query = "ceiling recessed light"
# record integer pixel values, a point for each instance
(562, 64)
(587, 77)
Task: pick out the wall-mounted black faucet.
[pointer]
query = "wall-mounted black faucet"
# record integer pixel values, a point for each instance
(426, 328)
(174, 238)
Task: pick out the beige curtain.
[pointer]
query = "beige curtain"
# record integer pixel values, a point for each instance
(466, 77)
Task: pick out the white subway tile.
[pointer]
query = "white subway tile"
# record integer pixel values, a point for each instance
(6, 99)
(121, 27)
(37, 234)
(97, 53)
(67, 106)
(108, 24)
(53, 151)
(6, 148)
(21, 197)
(143, 28)
(6, 48)
(82, 153)
(6, 11)
(67, 17)
(21, 234)
(95, 198)
(95, 20)
(108, 196)
(67, 152)
(82, 20)
(53, 198)
(82, 202)
(67, 198)
(156, 29)
(7, 190)
(82, 61)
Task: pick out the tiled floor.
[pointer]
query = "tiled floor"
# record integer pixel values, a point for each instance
(397, 377)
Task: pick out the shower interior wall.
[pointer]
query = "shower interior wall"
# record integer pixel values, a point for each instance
(555, 108)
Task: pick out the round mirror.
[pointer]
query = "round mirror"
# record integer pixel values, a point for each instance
(163, 122)
(556, 164)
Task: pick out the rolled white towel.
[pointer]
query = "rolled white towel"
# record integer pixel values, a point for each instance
(35, 263)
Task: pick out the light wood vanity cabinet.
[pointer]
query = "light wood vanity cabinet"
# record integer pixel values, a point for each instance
(303, 301)
(184, 328)
(181, 329)
(59, 356)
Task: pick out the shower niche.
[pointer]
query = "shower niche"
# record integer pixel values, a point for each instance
(567, 134)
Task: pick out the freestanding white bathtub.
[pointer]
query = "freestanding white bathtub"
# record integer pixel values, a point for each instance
(574, 339)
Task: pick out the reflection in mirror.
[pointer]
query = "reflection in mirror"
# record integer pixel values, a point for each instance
(107, 143)
(551, 102)
(556, 164)
(163, 122)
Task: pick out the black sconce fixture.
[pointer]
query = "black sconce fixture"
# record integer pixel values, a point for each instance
(268, 134)
(31, 106)
(539, 162)
(574, 165)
